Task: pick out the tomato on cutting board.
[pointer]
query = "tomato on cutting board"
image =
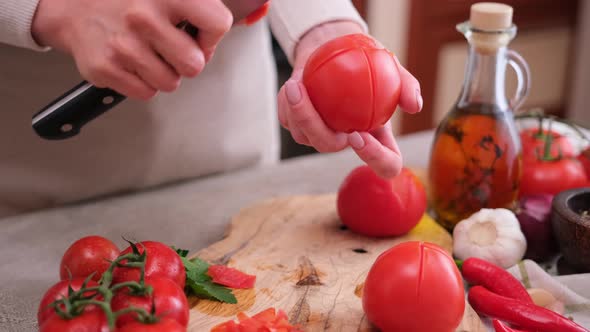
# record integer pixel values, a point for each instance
(58, 291)
(90, 254)
(230, 277)
(353, 83)
(162, 325)
(414, 287)
(167, 299)
(92, 320)
(161, 261)
(374, 206)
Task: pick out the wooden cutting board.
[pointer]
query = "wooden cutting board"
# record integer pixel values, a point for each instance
(305, 264)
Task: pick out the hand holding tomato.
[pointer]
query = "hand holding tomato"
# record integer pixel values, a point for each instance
(378, 207)
(372, 139)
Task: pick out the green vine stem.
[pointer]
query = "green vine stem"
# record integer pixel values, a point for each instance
(541, 116)
(76, 301)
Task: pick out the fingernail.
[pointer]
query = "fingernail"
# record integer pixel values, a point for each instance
(419, 99)
(356, 141)
(197, 58)
(293, 92)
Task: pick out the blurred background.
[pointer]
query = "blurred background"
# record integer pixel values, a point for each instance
(553, 37)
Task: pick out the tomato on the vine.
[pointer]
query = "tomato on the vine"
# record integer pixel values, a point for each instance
(167, 298)
(161, 261)
(353, 83)
(87, 255)
(56, 292)
(162, 325)
(584, 158)
(92, 320)
(374, 206)
(414, 287)
(552, 177)
(533, 144)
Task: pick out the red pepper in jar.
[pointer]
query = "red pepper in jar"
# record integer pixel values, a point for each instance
(524, 315)
(501, 327)
(477, 271)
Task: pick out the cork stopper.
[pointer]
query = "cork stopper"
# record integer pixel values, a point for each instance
(491, 16)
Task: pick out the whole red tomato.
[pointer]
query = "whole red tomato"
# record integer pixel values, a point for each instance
(162, 325)
(534, 141)
(584, 158)
(551, 177)
(55, 292)
(374, 206)
(168, 299)
(353, 83)
(87, 255)
(161, 261)
(93, 320)
(414, 287)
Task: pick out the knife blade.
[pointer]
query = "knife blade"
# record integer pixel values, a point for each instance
(65, 116)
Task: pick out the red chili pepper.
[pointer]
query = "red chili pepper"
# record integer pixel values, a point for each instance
(522, 314)
(477, 271)
(500, 327)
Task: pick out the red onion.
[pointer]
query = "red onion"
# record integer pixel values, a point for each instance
(534, 216)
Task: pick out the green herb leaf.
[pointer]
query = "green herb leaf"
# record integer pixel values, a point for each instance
(199, 283)
(211, 291)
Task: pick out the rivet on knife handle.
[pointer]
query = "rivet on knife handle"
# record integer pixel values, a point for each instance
(65, 116)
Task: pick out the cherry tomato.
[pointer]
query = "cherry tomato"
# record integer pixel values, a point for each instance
(257, 15)
(163, 325)
(551, 177)
(584, 158)
(93, 320)
(374, 206)
(230, 277)
(414, 287)
(169, 300)
(354, 84)
(55, 292)
(87, 255)
(161, 261)
(533, 144)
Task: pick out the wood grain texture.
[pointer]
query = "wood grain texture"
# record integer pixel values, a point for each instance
(305, 264)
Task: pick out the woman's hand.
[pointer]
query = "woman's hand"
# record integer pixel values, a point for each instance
(296, 113)
(133, 46)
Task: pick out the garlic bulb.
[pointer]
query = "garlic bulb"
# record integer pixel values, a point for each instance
(490, 234)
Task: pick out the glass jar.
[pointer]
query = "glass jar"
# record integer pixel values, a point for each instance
(475, 159)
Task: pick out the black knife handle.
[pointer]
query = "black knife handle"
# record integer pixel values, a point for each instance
(64, 117)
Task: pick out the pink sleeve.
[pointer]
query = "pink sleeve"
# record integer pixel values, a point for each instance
(16, 17)
(291, 19)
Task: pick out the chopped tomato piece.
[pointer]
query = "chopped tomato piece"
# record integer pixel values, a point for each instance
(269, 320)
(229, 326)
(267, 315)
(230, 277)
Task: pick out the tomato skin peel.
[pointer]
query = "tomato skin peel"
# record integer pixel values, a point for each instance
(353, 83)
(411, 280)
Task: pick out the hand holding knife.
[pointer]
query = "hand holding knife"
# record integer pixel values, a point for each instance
(65, 116)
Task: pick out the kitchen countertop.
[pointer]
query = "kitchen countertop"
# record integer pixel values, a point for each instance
(189, 215)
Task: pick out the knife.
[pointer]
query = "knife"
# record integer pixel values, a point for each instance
(65, 116)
